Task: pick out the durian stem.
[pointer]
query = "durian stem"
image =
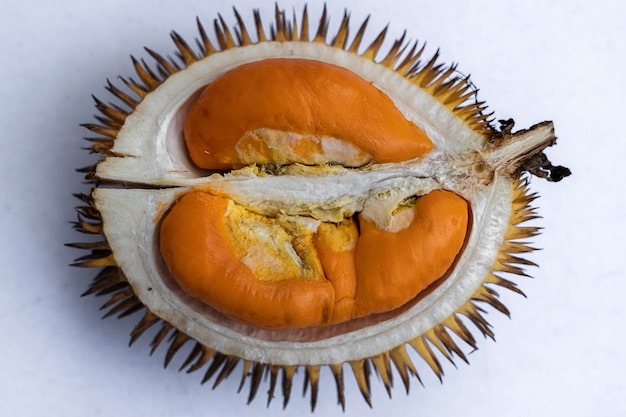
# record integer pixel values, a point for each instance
(511, 150)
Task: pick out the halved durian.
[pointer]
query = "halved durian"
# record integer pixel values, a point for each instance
(292, 201)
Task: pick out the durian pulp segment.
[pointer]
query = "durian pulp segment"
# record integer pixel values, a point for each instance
(131, 221)
(149, 147)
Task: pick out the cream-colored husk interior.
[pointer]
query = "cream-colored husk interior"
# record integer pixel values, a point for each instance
(150, 150)
(130, 219)
(151, 139)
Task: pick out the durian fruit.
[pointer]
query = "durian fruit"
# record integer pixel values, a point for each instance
(288, 199)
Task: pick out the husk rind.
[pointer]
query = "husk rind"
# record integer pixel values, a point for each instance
(453, 91)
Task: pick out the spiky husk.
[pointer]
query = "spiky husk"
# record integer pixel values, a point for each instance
(443, 82)
(452, 90)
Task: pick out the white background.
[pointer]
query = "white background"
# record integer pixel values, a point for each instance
(562, 353)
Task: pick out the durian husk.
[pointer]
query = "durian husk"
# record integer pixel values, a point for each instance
(444, 83)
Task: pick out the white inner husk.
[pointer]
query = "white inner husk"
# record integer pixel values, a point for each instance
(152, 145)
(152, 135)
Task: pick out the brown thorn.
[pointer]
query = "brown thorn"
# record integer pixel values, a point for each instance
(109, 280)
(375, 46)
(102, 245)
(125, 307)
(295, 33)
(132, 306)
(125, 98)
(273, 369)
(84, 226)
(522, 218)
(462, 96)
(403, 364)
(423, 349)
(196, 351)
(431, 336)
(228, 37)
(358, 38)
(160, 336)
(148, 320)
(163, 63)
(258, 370)
(341, 38)
(108, 122)
(185, 52)
(135, 87)
(382, 365)
(473, 313)
(304, 31)
(280, 23)
(258, 22)
(360, 369)
(103, 148)
(227, 369)
(322, 29)
(459, 92)
(512, 259)
(180, 339)
(221, 37)
(411, 60)
(429, 71)
(206, 355)
(456, 325)
(511, 269)
(469, 110)
(504, 283)
(490, 296)
(85, 198)
(337, 371)
(118, 297)
(90, 175)
(523, 232)
(95, 260)
(463, 91)
(90, 213)
(101, 130)
(147, 76)
(448, 342)
(204, 42)
(395, 52)
(241, 30)
(313, 377)
(218, 360)
(287, 383)
(441, 85)
(99, 140)
(245, 372)
(111, 111)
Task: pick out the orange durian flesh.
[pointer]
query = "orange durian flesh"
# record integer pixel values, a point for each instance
(346, 274)
(196, 247)
(336, 248)
(393, 267)
(308, 98)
